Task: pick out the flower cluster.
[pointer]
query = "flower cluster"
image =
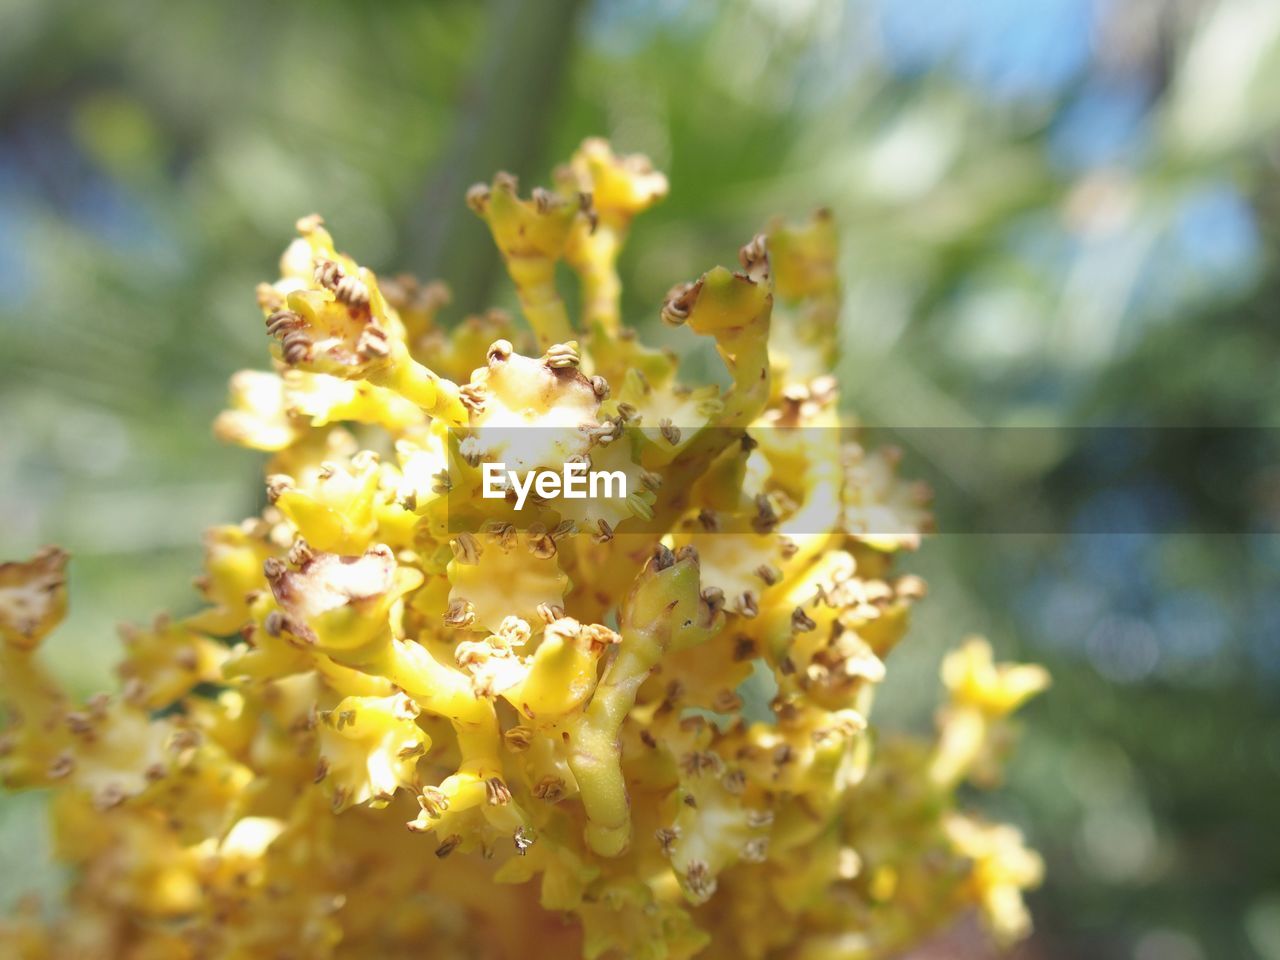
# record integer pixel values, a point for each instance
(563, 707)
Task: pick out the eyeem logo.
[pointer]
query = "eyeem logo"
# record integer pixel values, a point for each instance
(574, 482)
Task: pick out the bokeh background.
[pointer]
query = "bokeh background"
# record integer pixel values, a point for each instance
(1058, 214)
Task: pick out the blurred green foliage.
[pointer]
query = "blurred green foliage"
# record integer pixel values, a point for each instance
(1055, 214)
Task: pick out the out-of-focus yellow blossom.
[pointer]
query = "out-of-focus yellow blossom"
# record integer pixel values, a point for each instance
(983, 694)
(1002, 867)
(557, 703)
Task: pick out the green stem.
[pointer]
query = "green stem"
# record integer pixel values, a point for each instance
(503, 123)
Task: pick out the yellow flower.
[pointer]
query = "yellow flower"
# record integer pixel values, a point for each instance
(369, 749)
(564, 704)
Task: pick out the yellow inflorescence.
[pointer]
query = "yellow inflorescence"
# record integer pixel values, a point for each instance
(564, 707)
